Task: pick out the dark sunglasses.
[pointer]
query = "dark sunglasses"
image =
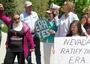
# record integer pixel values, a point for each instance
(17, 18)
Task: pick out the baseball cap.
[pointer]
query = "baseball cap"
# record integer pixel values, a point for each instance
(28, 3)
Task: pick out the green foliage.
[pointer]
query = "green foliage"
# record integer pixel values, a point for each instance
(19, 6)
(9, 6)
(80, 5)
(40, 6)
(59, 2)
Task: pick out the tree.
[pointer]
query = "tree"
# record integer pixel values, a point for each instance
(19, 5)
(80, 5)
(9, 6)
(40, 6)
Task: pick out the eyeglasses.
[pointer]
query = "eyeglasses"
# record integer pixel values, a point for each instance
(17, 18)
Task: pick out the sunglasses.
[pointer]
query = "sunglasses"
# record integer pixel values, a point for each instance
(17, 18)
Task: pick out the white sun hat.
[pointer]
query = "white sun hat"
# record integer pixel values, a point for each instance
(54, 6)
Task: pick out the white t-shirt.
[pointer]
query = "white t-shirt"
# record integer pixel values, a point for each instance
(19, 27)
(56, 20)
(29, 19)
(64, 24)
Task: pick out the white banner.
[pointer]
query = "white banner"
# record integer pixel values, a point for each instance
(72, 50)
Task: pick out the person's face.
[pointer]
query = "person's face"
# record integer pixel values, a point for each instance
(55, 11)
(51, 16)
(88, 20)
(16, 18)
(74, 28)
(88, 14)
(83, 20)
(1, 7)
(64, 8)
(28, 9)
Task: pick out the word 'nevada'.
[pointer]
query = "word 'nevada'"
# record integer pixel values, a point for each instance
(76, 41)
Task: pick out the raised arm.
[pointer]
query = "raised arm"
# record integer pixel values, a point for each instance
(5, 19)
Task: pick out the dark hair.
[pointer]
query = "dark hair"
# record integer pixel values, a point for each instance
(78, 26)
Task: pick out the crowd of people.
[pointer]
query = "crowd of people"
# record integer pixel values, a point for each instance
(22, 39)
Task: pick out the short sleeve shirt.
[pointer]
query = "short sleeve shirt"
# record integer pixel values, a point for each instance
(29, 19)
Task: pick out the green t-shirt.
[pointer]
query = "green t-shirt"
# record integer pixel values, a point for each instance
(51, 26)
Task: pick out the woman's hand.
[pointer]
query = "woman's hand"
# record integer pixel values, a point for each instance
(2, 26)
(32, 50)
(51, 31)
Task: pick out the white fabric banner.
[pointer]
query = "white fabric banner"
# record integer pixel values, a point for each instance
(72, 50)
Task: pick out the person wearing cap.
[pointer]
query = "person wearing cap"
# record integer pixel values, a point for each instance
(66, 19)
(49, 41)
(30, 17)
(55, 10)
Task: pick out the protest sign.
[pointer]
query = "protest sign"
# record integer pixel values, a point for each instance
(41, 28)
(72, 50)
